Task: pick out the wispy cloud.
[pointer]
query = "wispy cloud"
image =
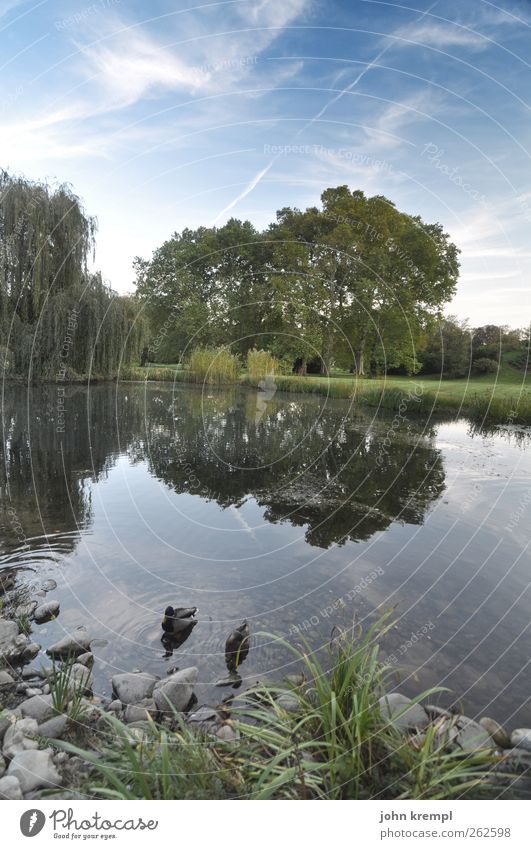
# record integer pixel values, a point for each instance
(247, 190)
(441, 36)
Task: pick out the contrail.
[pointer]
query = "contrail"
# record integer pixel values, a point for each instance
(261, 174)
(249, 187)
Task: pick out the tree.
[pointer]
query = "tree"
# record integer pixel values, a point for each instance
(447, 350)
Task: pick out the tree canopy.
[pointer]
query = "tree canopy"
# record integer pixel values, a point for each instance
(355, 283)
(56, 318)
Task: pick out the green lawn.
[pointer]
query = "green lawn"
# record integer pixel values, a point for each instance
(504, 397)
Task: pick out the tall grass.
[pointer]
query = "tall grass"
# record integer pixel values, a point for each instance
(330, 742)
(213, 366)
(261, 365)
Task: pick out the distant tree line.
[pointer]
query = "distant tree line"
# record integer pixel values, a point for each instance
(353, 284)
(57, 318)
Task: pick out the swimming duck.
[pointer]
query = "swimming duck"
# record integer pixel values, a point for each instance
(178, 619)
(237, 646)
(7, 581)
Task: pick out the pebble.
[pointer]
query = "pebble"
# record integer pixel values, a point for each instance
(496, 731)
(38, 707)
(132, 687)
(33, 691)
(73, 644)
(86, 659)
(402, 712)
(34, 769)
(137, 713)
(177, 690)
(46, 611)
(521, 738)
(55, 727)
(10, 788)
(19, 737)
(48, 585)
(5, 678)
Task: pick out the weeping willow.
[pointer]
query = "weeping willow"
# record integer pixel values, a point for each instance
(56, 318)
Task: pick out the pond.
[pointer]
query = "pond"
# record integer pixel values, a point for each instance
(298, 513)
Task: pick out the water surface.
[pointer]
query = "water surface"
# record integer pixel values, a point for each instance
(296, 512)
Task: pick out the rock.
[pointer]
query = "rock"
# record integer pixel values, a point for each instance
(38, 707)
(26, 609)
(115, 706)
(46, 690)
(132, 687)
(81, 680)
(32, 691)
(296, 679)
(176, 691)
(2, 766)
(227, 733)
(288, 703)
(55, 727)
(12, 643)
(30, 651)
(19, 737)
(48, 585)
(402, 713)
(86, 659)
(521, 738)
(203, 714)
(5, 678)
(32, 672)
(469, 735)
(34, 769)
(496, 731)
(73, 644)
(10, 788)
(89, 711)
(515, 761)
(137, 713)
(46, 611)
(7, 718)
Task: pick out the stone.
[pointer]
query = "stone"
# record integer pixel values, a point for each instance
(176, 691)
(86, 659)
(521, 738)
(34, 769)
(30, 651)
(115, 706)
(204, 714)
(132, 687)
(32, 672)
(288, 702)
(402, 713)
(48, 585)
(227, 733)
(515, 761)
(141, 712)
(496, 731)
(46, 611)
(26, 609)
(38, 707)
(55, 727)
(89, 711)
(469, 735)
(32, 691)
(296, 679)
(10, 788)
(5, 678)
(73, 644)
(19, 737)
(11, 642)
(7, 718)
(81, 680)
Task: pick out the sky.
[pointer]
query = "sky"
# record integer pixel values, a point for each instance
(164, 115)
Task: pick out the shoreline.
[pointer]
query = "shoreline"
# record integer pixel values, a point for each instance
(320, 733)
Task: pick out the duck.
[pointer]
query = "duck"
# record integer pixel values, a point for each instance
(7, 581)
(178, 619)
(237, 646)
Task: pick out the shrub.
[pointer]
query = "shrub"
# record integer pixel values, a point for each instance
(260, 365)
(213, 366)
(484, 365)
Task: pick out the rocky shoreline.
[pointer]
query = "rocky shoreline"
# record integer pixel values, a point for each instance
(41, 708)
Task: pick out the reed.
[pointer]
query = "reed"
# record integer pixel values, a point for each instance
(213, 366)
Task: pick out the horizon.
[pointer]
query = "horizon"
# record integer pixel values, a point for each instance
(164, 118)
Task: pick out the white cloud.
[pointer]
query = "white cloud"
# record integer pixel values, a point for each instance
(441, 36)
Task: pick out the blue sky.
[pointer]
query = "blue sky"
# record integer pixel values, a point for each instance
(171, 114)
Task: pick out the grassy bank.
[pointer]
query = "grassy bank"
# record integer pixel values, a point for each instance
(504, 398)
(323, 736)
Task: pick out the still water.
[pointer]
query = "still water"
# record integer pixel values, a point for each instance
(296, 512)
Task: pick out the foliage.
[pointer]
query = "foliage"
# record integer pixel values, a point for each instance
(353, 282)
(213, 366)
(66, 688)
(333, 743)
(261, 365)
(484, 365)
(57, 319)
(447, 349)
